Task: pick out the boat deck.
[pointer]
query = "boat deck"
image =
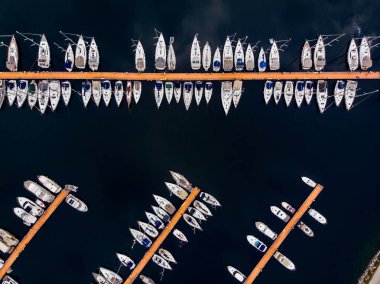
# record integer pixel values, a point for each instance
(284, 233)
(161, 238)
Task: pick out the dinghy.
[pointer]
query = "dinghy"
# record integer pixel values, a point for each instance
(206, 56)
(195, 55)
(93, 56)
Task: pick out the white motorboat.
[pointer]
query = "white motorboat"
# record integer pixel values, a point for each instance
(216, 62)
(322, 95)
(228, 55)
(262, 61)
(299, 93)
(93, 56)
(206, 56)
(66, 92)
(32, 94)
(76, 203)
(187, 94)
(99, 278)
(266, 230)
(339, 89)
(169, 90)
(177, 91)
(208, 198)
(274, 57)
(39, 191)
(256, 243)
(30, 206)
(177, 190)
(49, 184)
(179, 235)
(350, 93)
(309, 90)
(158, 92)
(22, 92)
(172, 61)
(226, 95)
(353, 56)
(126, 261)
(208, 91)
(249, 59)
(80, 54)
(166, 255)
(237, 91)
(309, 182)
(148, 229)
(160, 54)
(306, 56)
(119, 92)
(165, 204)
(306, 229)
(106, 92)
(196, 213)
(239, 56)
(195, 54)
(198, 92)
(140, 61)
(141, 238)
(69, 58)
(86, 92)
(12, 56)
(11, 91)
(137, 88)
(154, 220)
(288, 92)
(277, 92)
(54, 94)
(164, 216)
(280, 213)
(191, 221)
(202, 208)
(237, 274)
(8, 242)
(43, 95)
(43, 53)
(160, 261)
(146, 280)
(286, 262)
(128, 93)
(317, 216)
(26, 218)
(112, 277)
(288, 207)
(181, 181)
(319, 54)
(365, 54)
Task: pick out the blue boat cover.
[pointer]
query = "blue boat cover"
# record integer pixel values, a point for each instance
(341, 85)
(217, 63)
(106, 85)
(269, 85)
(22, 84)
(177, 84)
(208, 86)
(188, 86)
(11, 84)
(300, 86)
(68, 64)
(309, 85)
(263, 64)
(158, 85)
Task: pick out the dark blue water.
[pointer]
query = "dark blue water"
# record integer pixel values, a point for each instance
(249, 160)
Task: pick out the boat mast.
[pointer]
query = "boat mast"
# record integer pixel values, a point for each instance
(29, 39)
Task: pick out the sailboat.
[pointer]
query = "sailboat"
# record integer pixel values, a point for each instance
(216, 62)
(288, 92)
(54, 94)
(277, 92)
(306, 57)
(195, 55)
(339, 91)
(22, 91)
(69, 58)
(43, 53)
(206, 56)
(86, 92)
(43, 95)
(198, 92)
(11, 91)
(187, 94)
(3, 92)
(353, 56)
(319, 54)
(239, 56)
(158, 92)
(12, 56)
(208, 91)
(32, 94)
(228, 56)
(80, 54)
(140, 61)
(66, 92)
(160, 54)
(177, 91)
(274, 57)
(119, 92)
(365, 54)
(249, 59)
(309, 90)
(299, 92)
(128, 93)
(106, 92)
(262, 61)
(169, 91)
(96, 92)
(172, 61)
(137, 91)
(268, 91)
(322, 95)
(350, 93)
(226, 95)
(237, 92)
(93, 56)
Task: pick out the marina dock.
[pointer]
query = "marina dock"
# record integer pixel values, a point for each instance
(32, 232)
(284, 233)
(161, 238)
(248, 76)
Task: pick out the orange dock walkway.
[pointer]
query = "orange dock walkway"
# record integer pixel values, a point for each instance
(285, 232)
(28, 237)
(160, 239)
(191, 76)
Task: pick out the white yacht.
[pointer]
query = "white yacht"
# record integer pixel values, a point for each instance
(166, 255)
(274, 57)
(160, 261)
(228, 56)
(43, 53)
(93, 56)
(350, 93)
(179, 235)
(206, 57)
(119, 92)
(309, 182)
(8, 242)
(141, 238)
(181, 181)
(12, 56)
(322, 95)
(319, 54)
(54, 94)
(66, 92)
(11, 91)
(69, 58)
(195, 55)
(306, 229)
(208, 91)
(172, 61)
(164, 216)
(137, 88)
(165, 204)
(216, 62)
(86, 92)
(279, 213)
(353, 56)
(196, 214)
(239, 56)
(268, 91)
(76, 203)
(106, 90)
(265, 230)
(148, 229)
(155, 221)
(306, 56)
(202, 208)
(288, 207)
(208, 198)
(299, 93)
(277, 92)
(237, 274)
(112, 277)
(198, 92)
(262, 61)
(226, 95)
(249, 59)
(340, 86)
(96, 92)
(317, 216)
(146, 280)
(187, 94)
(237, 91)
(43, 95)
(80, 54)
(39, 191)
(128, 93)
(30, 206)
(126, 261)
(288, 92)
(365, 54)
(22, 92)
(177, 91)
(309, 91)
(256, 243)
(140, 61)
(177, 190)
(169, 91)
(49, 184)
(32, 94)
(191, 221)
(160, 54)
(286, 262)
(158, 92)
(26, 218)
